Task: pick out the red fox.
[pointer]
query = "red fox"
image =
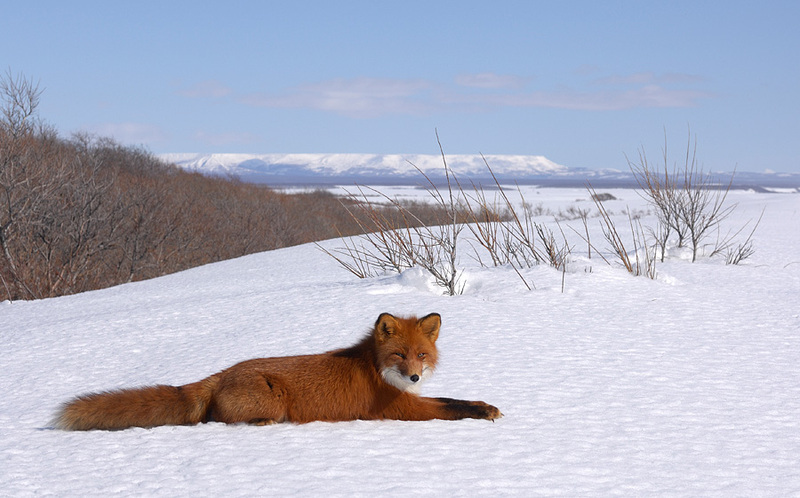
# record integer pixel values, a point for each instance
(377, 378)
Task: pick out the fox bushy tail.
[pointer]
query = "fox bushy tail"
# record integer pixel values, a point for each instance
(139, 407)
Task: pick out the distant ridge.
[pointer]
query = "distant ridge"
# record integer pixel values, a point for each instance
(388, 169)
(363, 165)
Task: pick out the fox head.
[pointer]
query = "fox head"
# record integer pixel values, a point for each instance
(406, 349)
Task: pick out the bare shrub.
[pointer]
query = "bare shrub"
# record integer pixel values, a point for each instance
(20, 97)
(516, 239)
(742, 251)
(88, 213)
(689, 202)
(639, 260)
(399, 238)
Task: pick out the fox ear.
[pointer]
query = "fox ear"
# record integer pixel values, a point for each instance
(429, 325)
(385, 327)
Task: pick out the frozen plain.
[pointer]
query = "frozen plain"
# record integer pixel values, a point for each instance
(687, 385)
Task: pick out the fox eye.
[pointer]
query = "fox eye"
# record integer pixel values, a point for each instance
(422, 355)
(401, 355)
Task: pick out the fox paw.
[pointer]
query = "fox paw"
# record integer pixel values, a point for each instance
(471, 409)
(489, 412)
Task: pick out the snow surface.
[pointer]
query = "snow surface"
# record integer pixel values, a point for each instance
(688, 385)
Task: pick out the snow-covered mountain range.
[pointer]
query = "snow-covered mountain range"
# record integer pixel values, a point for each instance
(382, 168)
(321, 169)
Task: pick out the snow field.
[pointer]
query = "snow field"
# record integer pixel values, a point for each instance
(687, 385)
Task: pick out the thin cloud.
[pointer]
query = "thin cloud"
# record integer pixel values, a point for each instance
(131, 133)
(628, 79)
(648, 78)
(359, 97)
(206, 89)
(375, 97)
(489, 80)
(648, 96)
(224, 139)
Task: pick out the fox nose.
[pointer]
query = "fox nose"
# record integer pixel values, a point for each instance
(414, 378)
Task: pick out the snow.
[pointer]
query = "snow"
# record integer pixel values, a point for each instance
(687, 385)
(383, 169)
(385, 165)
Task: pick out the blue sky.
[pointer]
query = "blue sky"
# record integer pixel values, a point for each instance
(583, 83)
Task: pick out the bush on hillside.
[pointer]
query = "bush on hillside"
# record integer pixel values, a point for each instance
(86, 213)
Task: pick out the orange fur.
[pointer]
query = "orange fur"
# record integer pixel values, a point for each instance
(374, 379)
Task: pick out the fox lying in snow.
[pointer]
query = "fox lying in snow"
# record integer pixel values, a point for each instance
(377, 378)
